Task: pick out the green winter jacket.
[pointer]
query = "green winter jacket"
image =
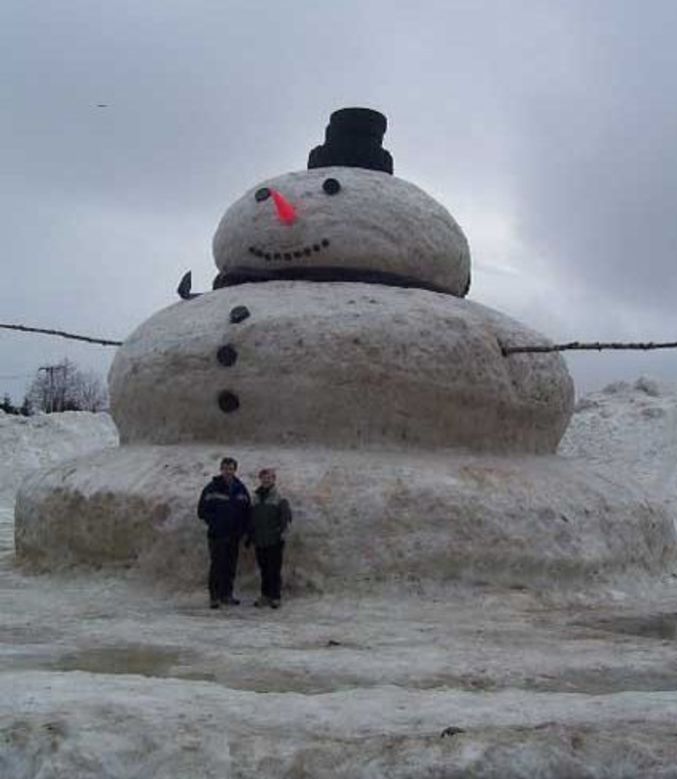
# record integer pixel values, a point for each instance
(270, 517)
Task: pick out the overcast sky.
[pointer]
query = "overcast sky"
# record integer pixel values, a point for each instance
(548, 129)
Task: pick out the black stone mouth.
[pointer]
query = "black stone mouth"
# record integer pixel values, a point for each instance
(294, 254)
(241, 275)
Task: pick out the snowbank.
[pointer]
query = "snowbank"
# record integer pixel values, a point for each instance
(34, 443)
(631, 427)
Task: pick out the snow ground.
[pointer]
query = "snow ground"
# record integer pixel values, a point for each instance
(104, 675)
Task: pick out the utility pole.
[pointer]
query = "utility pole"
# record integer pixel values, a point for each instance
(52, 401)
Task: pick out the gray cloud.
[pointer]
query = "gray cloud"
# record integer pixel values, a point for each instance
(546, 128)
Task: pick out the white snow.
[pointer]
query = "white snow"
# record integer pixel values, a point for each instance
(31, 443)
(104, 675)
(631, 426)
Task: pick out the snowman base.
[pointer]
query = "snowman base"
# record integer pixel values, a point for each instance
(360, 517)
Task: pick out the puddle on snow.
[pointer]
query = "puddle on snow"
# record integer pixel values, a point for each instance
(605, 681)
(141, 660)
(169, 663)
(661, 626)
(26, 634)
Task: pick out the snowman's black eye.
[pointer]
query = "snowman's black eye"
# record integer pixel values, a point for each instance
(262, 194)
(331, 186)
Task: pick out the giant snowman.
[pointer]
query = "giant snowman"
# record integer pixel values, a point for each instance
(337, 346)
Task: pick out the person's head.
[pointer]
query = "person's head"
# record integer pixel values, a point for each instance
(228, 468)
(267, 477)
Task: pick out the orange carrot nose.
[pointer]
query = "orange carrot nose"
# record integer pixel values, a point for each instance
(285, 210)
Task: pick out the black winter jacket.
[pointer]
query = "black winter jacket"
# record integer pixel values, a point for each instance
(225, 509)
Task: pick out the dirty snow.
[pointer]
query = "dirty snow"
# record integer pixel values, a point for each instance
(104, 675)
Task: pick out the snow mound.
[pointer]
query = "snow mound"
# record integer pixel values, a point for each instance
(360, 517)
(631, 427)
(130, 726)
(28, 444)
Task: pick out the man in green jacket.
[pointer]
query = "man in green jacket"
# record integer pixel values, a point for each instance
(270, 518)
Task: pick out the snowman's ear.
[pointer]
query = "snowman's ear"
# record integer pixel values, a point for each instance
(184, 287)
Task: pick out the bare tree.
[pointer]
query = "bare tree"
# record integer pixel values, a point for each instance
(90, 391)
(64, 387)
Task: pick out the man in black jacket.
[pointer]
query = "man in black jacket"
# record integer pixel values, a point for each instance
(224, 506)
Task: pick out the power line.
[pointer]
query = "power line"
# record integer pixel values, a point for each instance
(62, 334)
(507, 350)
(597, 346)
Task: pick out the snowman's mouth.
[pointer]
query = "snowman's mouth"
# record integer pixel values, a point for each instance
(280, 266)
(290, 254)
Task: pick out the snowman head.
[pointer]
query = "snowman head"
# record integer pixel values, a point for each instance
(343, 222)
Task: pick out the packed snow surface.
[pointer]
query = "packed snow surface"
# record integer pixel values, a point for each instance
(104, 675)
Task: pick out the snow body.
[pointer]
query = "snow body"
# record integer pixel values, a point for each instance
(375, 222)
(408, 443)
(359, 516)
(339, 365)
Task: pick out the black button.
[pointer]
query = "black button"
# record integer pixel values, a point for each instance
(227, 355)
(331, 186)
(238, 314)
(228, 401)
(325, 242)
(262, 194)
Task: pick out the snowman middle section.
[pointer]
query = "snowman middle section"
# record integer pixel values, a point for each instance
(345, 365)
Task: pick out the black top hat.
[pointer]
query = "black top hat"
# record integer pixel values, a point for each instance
(353, 138)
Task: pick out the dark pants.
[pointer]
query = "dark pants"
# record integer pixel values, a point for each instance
(223, 553)
(269, 559)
